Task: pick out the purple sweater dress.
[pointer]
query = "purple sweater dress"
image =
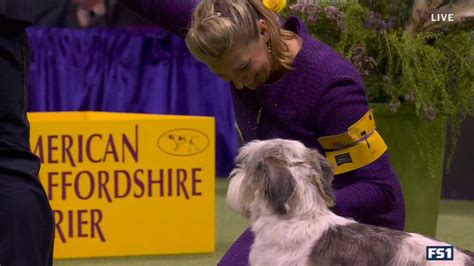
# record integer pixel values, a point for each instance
(323, 96)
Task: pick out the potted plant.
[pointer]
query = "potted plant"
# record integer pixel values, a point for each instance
(417, 60)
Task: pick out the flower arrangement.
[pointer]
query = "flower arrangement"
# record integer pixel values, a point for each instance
(404, 57)
(404, 52)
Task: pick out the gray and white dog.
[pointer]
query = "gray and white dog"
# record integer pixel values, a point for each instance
(284, 189)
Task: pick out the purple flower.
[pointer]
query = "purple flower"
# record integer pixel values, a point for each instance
(312, 9)
(331, 12)
(391, 23)
(306, 9)
(334, 13)
(297, 8)
(374, 20)
(312, 19)
(362, 61)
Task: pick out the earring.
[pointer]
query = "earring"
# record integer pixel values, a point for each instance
(269, 47)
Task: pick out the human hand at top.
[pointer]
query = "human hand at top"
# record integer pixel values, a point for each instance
(89, 10)
(89, 5)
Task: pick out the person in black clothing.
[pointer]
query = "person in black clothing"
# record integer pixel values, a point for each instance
(26, 218)
(55, 13)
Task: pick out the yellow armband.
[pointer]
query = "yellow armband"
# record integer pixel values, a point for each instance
(360, 145)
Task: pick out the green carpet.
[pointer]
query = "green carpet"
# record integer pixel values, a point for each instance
(455, 225)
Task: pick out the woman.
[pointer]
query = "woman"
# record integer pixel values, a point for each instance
(287, 84)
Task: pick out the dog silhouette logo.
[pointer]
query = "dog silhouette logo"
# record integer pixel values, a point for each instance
(183, 142)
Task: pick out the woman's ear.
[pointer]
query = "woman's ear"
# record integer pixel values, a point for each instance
(262, 29)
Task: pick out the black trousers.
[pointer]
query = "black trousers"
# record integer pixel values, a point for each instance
(26, 218)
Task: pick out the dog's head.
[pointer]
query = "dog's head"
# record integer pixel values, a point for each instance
(279, 177)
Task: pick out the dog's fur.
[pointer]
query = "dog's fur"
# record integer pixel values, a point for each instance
(284, 189)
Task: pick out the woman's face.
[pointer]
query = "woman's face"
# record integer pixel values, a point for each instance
(246, 65)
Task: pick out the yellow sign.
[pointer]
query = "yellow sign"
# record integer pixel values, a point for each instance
(127, 184)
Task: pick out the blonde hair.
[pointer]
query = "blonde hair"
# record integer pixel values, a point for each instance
(219, 25)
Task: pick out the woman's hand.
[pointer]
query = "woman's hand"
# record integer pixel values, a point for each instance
(89, 10)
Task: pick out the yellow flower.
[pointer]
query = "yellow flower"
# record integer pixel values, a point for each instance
(275, 5)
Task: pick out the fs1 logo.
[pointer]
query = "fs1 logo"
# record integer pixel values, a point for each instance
(439, 253)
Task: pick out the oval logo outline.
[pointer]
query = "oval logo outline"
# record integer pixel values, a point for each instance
(168, 133)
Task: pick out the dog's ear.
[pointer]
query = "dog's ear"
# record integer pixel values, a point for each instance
(323, 177)
(277, 183)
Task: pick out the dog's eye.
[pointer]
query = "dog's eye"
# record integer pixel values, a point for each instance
(234, 171)
(297, 163)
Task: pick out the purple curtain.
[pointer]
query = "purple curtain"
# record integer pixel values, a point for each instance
(139, 70)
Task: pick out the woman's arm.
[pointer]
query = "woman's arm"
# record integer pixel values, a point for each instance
(369, 191)
(372, 191)
(172, 15)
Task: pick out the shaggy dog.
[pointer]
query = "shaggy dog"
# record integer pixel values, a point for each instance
(284, 189)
